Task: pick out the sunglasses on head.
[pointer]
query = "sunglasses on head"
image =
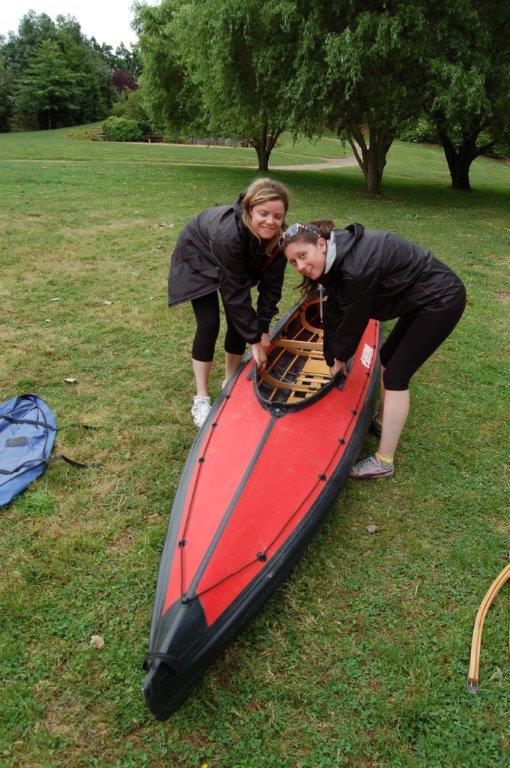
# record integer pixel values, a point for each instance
(293, 230)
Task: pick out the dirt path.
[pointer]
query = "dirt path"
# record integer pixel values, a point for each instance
(342, 162)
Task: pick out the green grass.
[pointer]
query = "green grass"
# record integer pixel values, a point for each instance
(360, 659)
(64, 145)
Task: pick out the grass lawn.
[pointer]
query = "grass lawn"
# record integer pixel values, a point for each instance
(64, 144)
(360, 659)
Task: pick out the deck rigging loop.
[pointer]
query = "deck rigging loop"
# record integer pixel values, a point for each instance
(164, 658)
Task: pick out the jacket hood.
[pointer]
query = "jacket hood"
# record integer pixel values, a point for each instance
(346, 239)
(238, 205)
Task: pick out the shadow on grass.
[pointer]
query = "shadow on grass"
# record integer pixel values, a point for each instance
(413, 193)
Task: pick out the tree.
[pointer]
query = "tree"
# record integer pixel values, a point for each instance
(5, 95)
(128, 59)
(469, 80)
(124, 81)
(172, 101)
(32, 31)
(231, 55)
(48, 84)
(80, 87)
(122, 58)
(359, 73)
(244, 91)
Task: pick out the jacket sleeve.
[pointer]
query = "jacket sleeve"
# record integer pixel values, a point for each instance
(332, 319)
(270, 291)
(347, 321)
(235, 284)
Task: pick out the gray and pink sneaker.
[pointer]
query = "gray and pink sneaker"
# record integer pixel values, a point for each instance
(372, 467)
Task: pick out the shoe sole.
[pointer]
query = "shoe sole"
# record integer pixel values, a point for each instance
(374, 476)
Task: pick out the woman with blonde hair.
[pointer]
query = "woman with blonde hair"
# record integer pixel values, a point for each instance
(230, 249)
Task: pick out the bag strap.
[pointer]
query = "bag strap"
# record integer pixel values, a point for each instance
(30, 462)
(51, 460)
(13, 420)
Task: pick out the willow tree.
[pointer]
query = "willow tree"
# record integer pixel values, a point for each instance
(359, 72)
(234, 55)
(468, 80)
(169, 95)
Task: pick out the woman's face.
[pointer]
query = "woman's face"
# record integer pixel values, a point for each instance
(308, 258)
(267, 218)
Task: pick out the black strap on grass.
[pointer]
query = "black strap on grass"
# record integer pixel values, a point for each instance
(44, 425)
(72, 462)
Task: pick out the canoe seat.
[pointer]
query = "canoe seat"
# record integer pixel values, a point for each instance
(314, 376)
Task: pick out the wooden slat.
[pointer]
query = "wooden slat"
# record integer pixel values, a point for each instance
(315, 367)
(315, 372)
(277, 384)
(295, 344)
(304, 322)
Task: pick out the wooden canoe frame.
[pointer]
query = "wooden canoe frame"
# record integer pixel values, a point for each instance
(315, 372)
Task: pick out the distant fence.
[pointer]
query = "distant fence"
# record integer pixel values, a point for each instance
(217, 141)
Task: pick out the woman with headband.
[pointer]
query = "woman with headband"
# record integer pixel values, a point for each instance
(369, 273)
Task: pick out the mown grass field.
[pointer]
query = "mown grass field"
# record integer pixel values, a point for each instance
(360, 659)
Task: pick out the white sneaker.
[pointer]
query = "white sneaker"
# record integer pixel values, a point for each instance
(200, 409)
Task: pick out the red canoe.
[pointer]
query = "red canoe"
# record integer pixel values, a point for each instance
(264, 470)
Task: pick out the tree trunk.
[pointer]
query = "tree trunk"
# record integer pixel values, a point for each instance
(373, 176)
(459, 160)
(49, 119)
(262, 155)
(371, 157)
(265, 144)
(460, 176)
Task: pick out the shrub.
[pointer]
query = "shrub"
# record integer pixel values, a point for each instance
(418, 130)
(121, 129)
(134, 105)
(24, 121)
(131, 104)
(119, 109)
(500, 149)
(88, 134)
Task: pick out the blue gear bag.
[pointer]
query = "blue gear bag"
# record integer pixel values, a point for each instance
(27, 433)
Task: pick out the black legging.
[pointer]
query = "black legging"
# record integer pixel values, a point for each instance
(414, 338)
(207, 314)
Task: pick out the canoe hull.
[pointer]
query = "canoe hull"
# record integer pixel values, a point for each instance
(267, 515)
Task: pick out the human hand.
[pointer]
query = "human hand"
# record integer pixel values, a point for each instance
(337, 367)
(265, 341)
(259, 355)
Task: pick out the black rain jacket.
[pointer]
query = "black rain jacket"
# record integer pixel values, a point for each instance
(380, 275)
(217, 251)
